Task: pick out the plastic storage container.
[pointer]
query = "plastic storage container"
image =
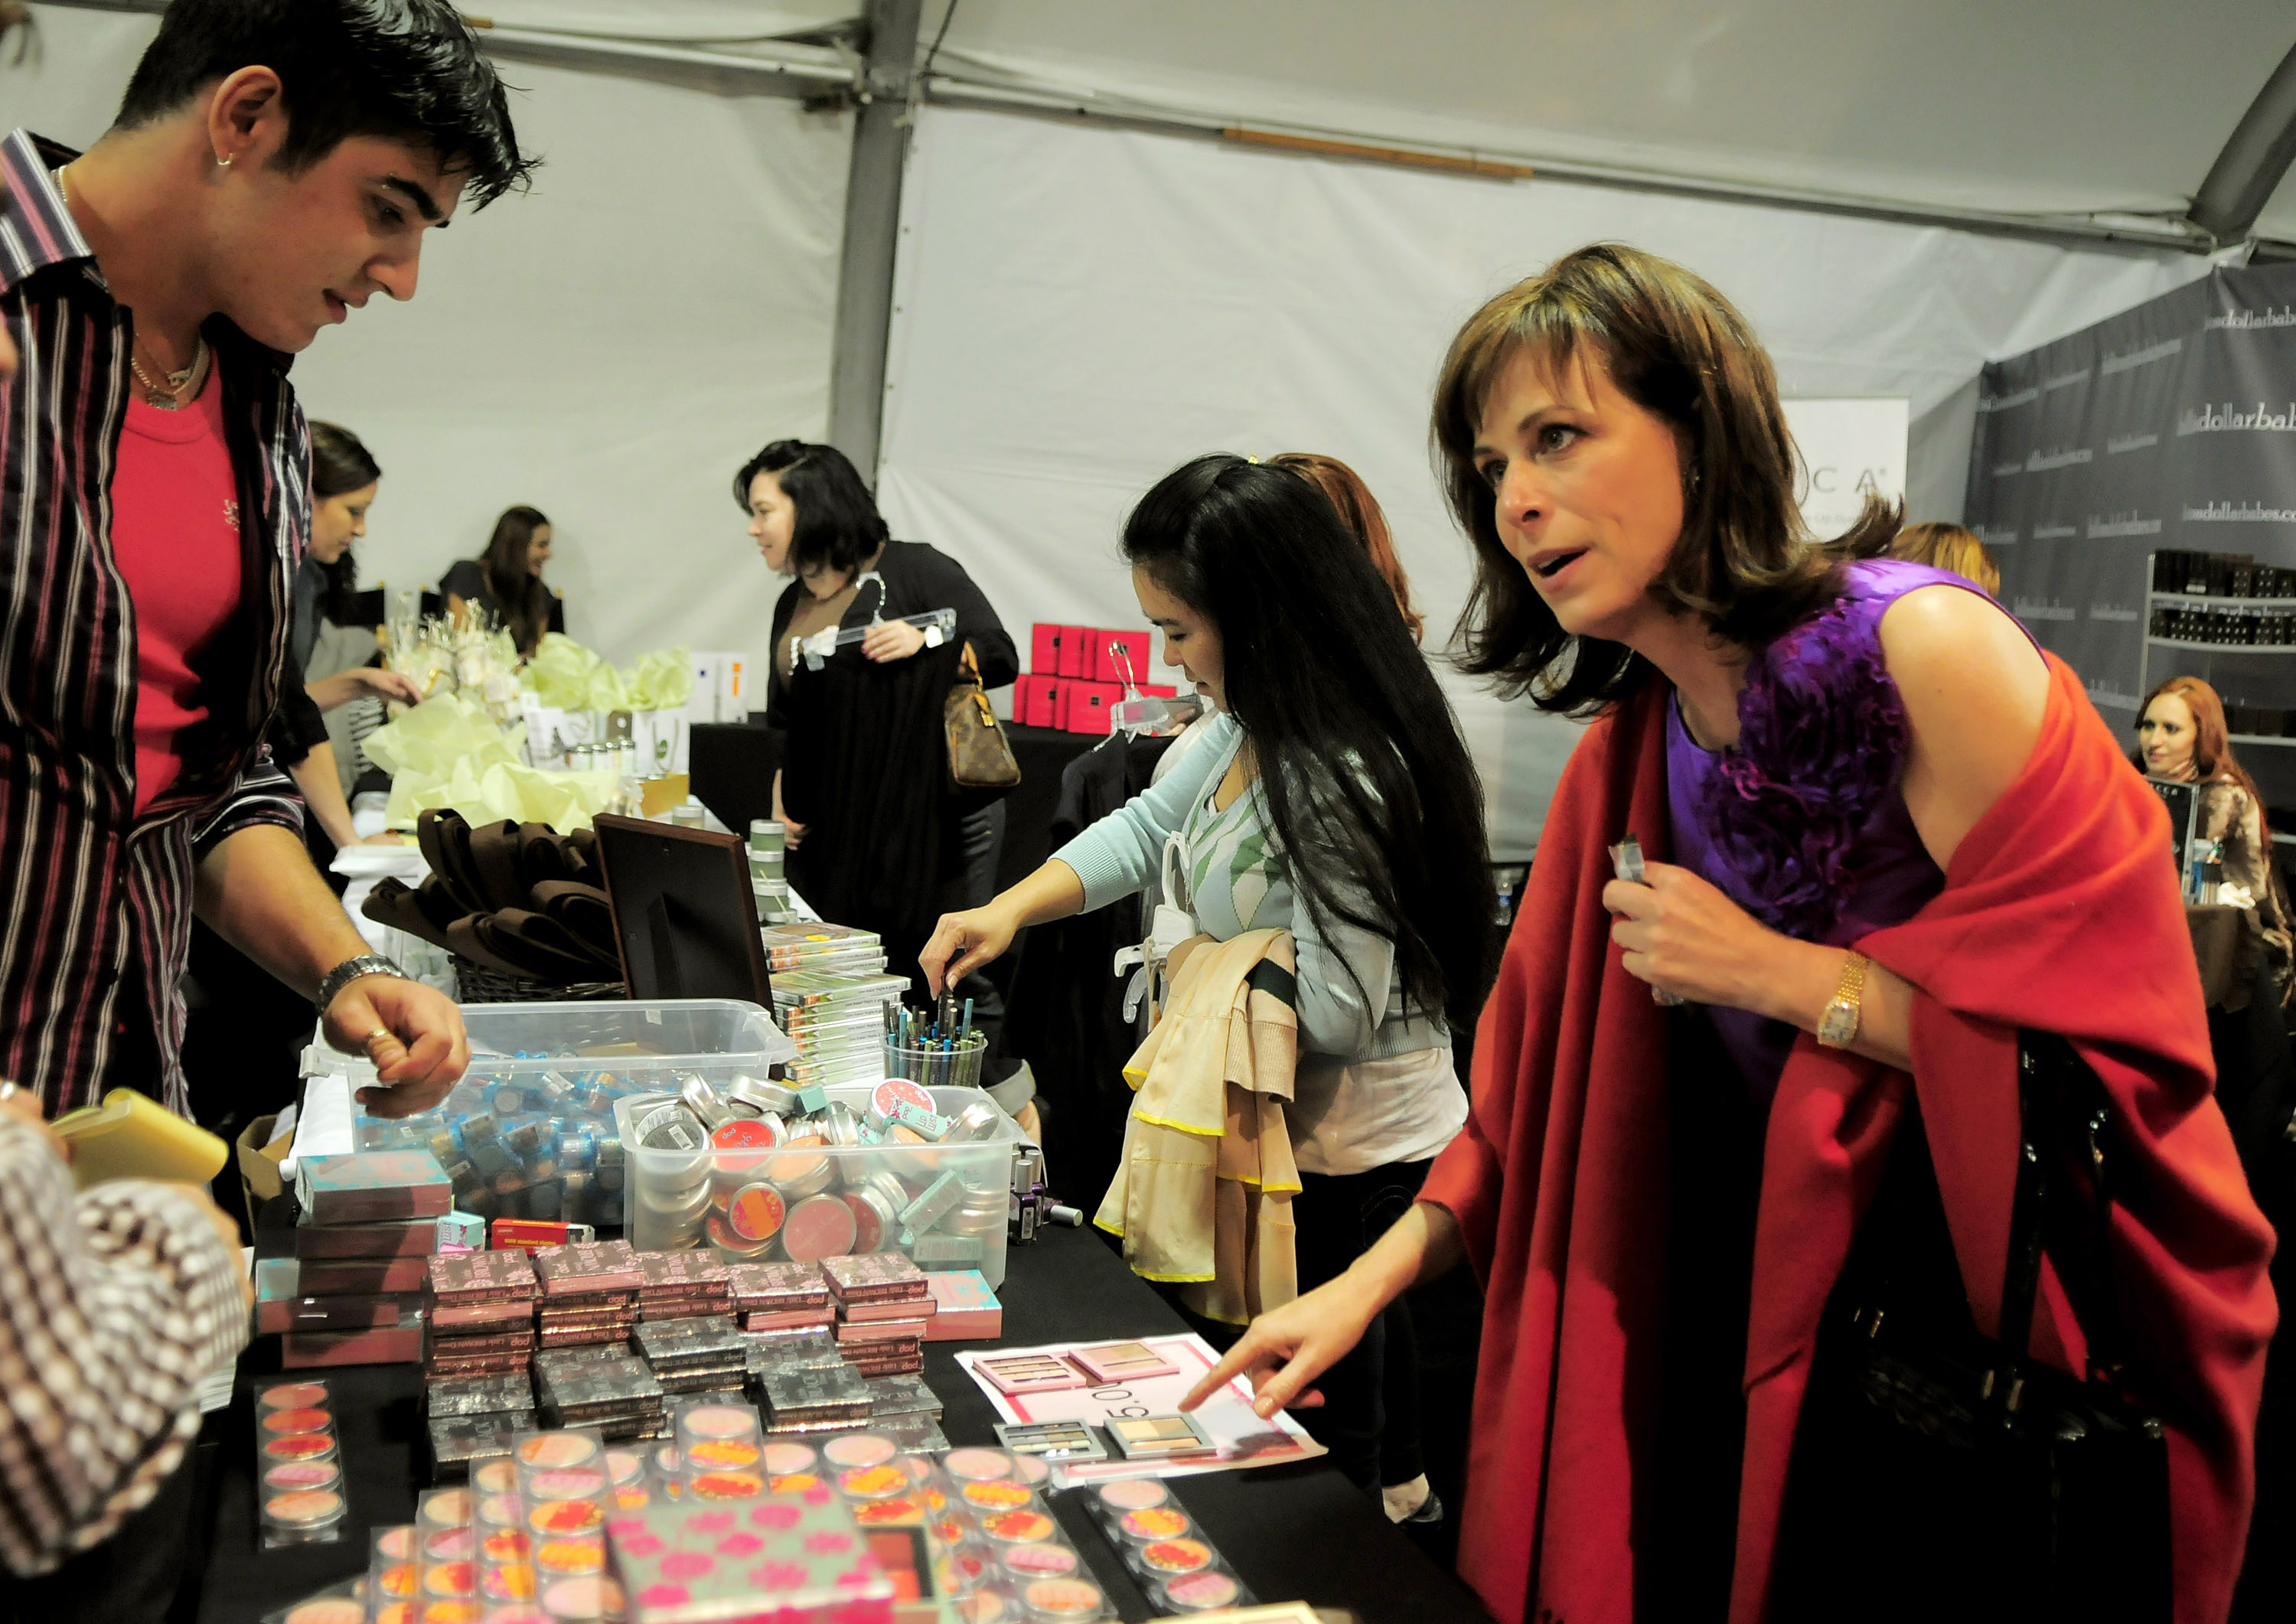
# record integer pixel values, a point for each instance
(944, 1205)
(530, 1131)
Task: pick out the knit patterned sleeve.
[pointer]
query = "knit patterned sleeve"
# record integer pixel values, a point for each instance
(114, 1307)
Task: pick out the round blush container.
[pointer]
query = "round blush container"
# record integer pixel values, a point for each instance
(565, 1517)
(978, 1465)
(1027, 1562)
(328, 1610)
(819, 1227)
(860, 1449)
(1167, 1558)
(299, 1447)
(502, 1510)
(725, 1485)
(449, 1545)
(451, 1579)
(574, 1556)
(1155, 1522)
(1017, 1527)
(495, 1477)
(309, 1420)
(721, 1455)
(1201, 1593)
(898, 1091)
(878, 1482)
(625, 1466)
(294, 1396)
(504, 1545)
(719, 1421)
(566, 1483)
(304, 1509)
(574, 1598)
(1132, 1493)
(555, 1449)
(998, 1494)
(981, 1607)
(782, 1459)
(449, 1507)
(395, 1544)
(1029, 1470)
(396, 1579)
(755, 1213)
(1059, 1601)
(514, 1583)
(301, 1474)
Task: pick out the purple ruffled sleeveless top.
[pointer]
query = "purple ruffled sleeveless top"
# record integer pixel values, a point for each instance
(1803, 821)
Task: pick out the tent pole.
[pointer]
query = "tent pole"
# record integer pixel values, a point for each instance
(872, 226)
(2247, 172)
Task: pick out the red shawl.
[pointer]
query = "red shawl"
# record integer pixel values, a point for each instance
(2059, 913)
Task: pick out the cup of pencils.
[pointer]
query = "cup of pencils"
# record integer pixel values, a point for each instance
(937, 1047)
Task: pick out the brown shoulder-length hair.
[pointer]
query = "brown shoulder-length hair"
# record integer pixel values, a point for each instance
(1359, 511)
(1673, 345)
(1949, 546)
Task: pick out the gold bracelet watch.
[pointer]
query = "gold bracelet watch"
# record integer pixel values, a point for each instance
(1837, 1028)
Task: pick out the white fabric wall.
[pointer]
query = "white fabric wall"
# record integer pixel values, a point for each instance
(1079, 309)
(610, 347)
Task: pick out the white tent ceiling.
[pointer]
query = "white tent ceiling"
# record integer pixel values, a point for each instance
(2044, 110)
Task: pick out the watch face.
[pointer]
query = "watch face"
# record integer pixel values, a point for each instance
(1839, 1024)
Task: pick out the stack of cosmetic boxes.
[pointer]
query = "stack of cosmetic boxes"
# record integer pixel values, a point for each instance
(343, 1284)
(884, 1304)
(1077, 674)
(477, 1389)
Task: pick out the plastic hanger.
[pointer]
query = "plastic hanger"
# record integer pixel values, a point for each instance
(1140, 713)
(939, 625)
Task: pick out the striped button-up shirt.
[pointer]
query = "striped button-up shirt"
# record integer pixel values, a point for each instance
(96, 902)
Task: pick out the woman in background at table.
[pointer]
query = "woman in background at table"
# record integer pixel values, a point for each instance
(864, 791)
(345, 481)
(506, 581)
(2182, 736)
(1332, 797)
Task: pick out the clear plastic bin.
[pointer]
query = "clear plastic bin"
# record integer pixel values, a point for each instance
(529, 1132)
(945, 1206)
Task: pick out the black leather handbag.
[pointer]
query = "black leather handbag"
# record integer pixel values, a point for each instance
(1940, 1474)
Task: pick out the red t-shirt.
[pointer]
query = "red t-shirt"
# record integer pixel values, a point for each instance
(174, 532)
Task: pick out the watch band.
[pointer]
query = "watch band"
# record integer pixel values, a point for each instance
(1837, 1028)
(350, 970)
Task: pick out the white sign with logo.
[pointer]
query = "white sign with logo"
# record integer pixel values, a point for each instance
(1851, 447)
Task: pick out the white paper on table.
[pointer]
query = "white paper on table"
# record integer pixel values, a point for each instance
(324, 1129)
(1244, 1439)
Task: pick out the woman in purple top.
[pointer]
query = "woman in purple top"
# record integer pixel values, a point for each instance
(1804, 823)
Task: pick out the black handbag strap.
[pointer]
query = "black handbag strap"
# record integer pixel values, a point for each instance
(2062, 1113)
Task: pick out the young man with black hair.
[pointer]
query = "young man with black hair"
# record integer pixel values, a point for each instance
(274, 165)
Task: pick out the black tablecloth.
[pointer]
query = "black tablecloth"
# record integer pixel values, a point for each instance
(1293, 1532)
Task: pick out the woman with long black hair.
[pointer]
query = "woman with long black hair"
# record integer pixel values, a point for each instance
(1332, 797)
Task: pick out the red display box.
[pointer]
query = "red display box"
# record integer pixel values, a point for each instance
(1036, 701)
(1084, 705)
(1105, 669)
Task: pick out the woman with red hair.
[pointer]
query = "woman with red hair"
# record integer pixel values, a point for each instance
(1891, 851)
(2181, 737)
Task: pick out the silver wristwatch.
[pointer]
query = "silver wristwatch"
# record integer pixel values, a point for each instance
(343, 974)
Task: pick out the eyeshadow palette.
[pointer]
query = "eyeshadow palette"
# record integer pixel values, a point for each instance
(964, 1309)
(1053, 1441)
(790, 1319)
(763, 1287)
(875, 1331)
(370, 1185)
(684, 1344)
(459, 1279)
(888, 1365)
(332, 1312)
(815, 1400)
(458, 1441)
(874, 1277)
(479, 1396)
(389, 1238)
(902, 1396)
(470, 1318)
(1029, 1372)
(1117, 1362)
(1160, 1437)
(587, 1269)
(815, 1349)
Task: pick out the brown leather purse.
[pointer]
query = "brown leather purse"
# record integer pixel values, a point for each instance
(980, 756)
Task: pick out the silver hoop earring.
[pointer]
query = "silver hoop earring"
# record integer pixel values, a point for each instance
(223, 163)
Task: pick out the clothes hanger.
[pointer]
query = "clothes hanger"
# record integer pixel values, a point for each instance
(939, 625)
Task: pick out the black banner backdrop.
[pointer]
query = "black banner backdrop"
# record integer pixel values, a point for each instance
(2169, 427)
